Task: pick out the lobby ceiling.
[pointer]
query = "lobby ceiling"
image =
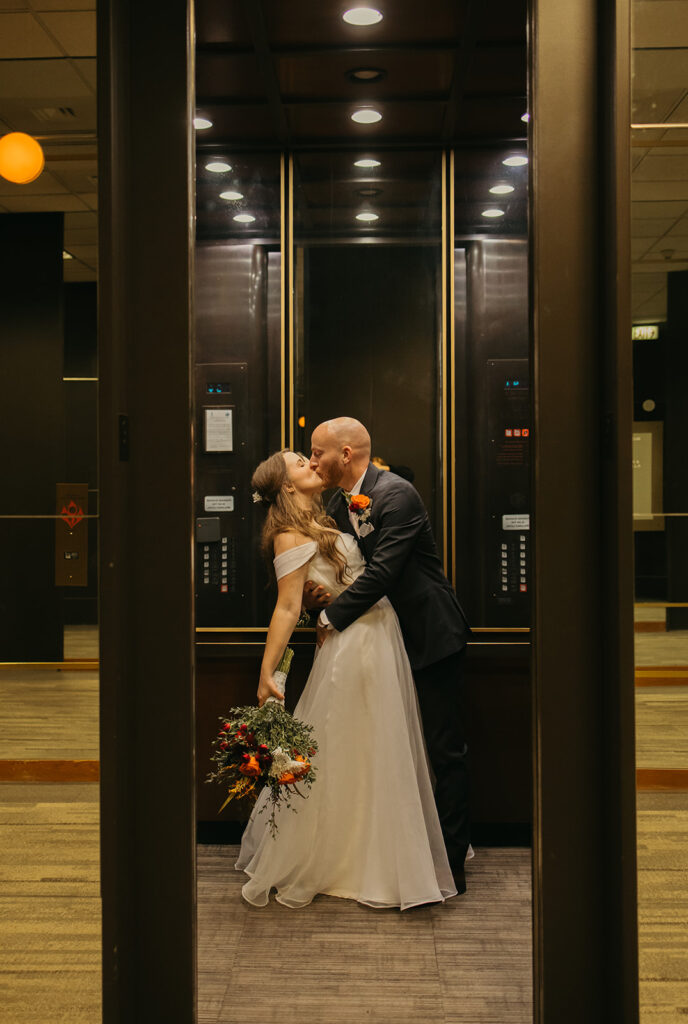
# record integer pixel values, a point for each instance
(275, 70)
(48, 89)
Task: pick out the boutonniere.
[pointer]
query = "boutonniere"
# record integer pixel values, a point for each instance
(360, 505)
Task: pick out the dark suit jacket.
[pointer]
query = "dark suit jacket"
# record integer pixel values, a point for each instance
(403, 564)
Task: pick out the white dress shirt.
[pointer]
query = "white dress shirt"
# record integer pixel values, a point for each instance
(356, 489)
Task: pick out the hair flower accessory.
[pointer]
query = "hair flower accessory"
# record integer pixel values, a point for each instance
(257, 496)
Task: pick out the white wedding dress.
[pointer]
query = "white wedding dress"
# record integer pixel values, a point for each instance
(368, 829)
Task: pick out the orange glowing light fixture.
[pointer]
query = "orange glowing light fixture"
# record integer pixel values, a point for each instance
(21, 158)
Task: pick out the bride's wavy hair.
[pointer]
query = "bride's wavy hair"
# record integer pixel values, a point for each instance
(284, 513)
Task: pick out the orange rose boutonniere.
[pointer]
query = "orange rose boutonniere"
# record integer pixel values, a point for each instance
(360, 505)
(359, 502)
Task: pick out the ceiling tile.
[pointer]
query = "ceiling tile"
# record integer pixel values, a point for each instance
(42, 204)
(74, 30)
(659, 83)
(85, 253)
(651, 228)
(21, 36)
(88, 69)
(88, 236)
(90, 199)
(659, 190)
(63, 5)
(40, 83)
(13, 5)
(659, 23)
(640, 210)
(77, 178)
(639, 246)
(45, 184)
(681, 111)
(662, 167)
(81, 221)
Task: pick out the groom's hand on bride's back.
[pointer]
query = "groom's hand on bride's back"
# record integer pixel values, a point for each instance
(315, 596)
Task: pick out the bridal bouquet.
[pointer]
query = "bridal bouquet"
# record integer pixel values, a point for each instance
(258, 747)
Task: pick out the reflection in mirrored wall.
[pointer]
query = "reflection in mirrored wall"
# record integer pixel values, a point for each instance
(659, 304)
(325, 286)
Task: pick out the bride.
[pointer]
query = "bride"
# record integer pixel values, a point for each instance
(368, 830)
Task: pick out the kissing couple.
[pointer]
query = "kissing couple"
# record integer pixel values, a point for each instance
(391, 645)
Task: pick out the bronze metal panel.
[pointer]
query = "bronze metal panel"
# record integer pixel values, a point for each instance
(146, 548)
(584, 885)
(71, 535)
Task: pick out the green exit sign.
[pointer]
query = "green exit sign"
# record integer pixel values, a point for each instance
(644, 332)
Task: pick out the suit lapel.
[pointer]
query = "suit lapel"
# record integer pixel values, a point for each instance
(367, 543)
(336, 507)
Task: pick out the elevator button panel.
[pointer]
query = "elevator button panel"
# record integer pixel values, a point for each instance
(507, 547)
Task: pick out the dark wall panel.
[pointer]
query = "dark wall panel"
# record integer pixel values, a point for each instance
(675, 432)
(32, 428)
(371, 349)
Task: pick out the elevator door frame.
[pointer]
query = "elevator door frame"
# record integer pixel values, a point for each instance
(584, 855)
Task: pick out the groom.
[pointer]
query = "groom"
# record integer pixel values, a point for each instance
(386, 515)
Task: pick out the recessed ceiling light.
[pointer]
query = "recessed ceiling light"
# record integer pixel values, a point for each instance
(66, 255)
(233, 196)
(367, 162)
(244, 218)
(515, 161)
(366, 116)
(202, 122)
(362, 16)
(218, 167)
(525, 117)
(366, 74)
(367, 216)
(501, 190)
(493, 213)
(368, 192)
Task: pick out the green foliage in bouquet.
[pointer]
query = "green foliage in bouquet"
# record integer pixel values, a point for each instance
(258, 747)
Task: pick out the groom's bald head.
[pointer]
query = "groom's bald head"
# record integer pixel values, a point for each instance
(340, 451)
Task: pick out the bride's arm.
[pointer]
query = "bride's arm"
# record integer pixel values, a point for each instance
(284, 618)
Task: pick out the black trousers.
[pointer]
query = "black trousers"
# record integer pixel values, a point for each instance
(440, 689)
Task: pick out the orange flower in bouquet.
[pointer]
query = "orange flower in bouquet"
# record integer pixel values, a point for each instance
(264, 747)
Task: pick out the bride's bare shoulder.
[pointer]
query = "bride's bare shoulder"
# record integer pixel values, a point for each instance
(288, 540)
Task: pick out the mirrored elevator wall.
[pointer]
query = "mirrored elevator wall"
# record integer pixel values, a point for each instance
(367, 342)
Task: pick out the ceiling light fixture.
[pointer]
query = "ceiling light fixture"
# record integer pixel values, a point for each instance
(367, 216)
(231, 196)
(362, 16)
(515, 161)
(494, 212)
(66, 255)
(244, 218)
(501, 190)
(200, 123)
(366, 74)
(21, 158)
(366, 116)
(368, 193)
(218, 167)
(367, 162)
